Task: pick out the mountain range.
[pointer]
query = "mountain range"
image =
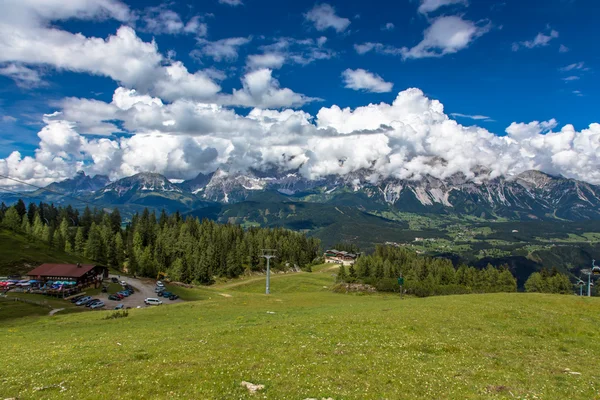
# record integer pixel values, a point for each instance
(531, 195)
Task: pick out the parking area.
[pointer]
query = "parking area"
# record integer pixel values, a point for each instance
(143, 288)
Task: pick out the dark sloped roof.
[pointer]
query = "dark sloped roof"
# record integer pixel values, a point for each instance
(63, 270)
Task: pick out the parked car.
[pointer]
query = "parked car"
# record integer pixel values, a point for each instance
(158, 289)
(83, 300)
(166, 294)
(123, 283)
(124, 293)
(150, 301)
(114, 297)
(98, 304)
(92, 302)
(77, 298)
(159, 283)
(119, 307)
(114, 280)
(173, 297)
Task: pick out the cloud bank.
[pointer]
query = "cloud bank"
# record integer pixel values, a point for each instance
(165, 118)
(408, 139)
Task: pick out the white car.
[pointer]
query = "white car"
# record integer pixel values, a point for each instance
(123, 283)
(160, 284)
(151, 301)
(99, 304)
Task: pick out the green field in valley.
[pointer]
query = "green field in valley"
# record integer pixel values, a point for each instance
(304, 341)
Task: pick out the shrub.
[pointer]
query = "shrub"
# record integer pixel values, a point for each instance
(117, 314)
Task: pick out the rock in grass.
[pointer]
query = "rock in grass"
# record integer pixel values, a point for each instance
(252, 388)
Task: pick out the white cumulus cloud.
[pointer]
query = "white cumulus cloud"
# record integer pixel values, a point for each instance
(408, 138)
(446, 35)
(266, 60)
(428, 6)
(360, 79)
(323, 16)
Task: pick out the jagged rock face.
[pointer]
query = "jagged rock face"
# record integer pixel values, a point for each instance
(143, 182)
(80, 183)
(530, 195)
(147, 189)
(197, 184)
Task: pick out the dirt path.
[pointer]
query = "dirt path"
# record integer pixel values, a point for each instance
(55, 311)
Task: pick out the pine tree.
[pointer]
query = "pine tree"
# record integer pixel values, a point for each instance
(21, 209)
(65, 234)
(176, 270)
(38, 226)
(535, 283)
(25, 226)
(506, 281)
(12, 220)
(31, 212)
(119, 250)
(3, 209)
(341, 276)
(80, 241)
(115, 220)
(93, 246)
(48, 235)
(352, 273)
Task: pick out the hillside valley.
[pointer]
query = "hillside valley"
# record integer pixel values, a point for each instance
(530, 221)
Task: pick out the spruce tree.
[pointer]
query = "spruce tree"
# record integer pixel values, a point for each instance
(21, 209)
(352, 273)
(93, 246)
(12, 220)
(31, 212)
(38, 226)
(80, 241)
(341, 276)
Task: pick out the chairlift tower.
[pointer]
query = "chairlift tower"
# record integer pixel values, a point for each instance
(268, 254)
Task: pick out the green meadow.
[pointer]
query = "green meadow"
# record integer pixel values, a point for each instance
(304, 341)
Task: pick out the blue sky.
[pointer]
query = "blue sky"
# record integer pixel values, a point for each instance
(506, 61)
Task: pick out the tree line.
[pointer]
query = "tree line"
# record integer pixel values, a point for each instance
(186, 249)
(549, 281)
(426, 276)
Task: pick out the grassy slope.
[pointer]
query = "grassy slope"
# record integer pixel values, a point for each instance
(316, 344)
(17, 250)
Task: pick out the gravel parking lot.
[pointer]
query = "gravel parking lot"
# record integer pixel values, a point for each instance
(144, 288)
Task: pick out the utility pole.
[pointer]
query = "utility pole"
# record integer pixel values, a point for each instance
(268, 254)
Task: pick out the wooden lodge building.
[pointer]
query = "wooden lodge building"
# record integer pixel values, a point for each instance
(81, 274)
(340, 257)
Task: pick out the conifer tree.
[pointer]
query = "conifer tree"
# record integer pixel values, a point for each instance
(341, 276)
(80, 241)
(31, 212)
(93, 246)
(12, 220)
(21, 209)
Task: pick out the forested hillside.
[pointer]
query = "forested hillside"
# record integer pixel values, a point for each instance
(188, 250)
